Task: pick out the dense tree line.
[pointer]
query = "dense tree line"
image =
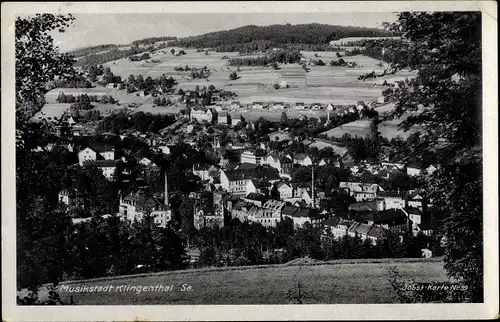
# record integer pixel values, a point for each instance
(91, 50)
(151, 40)
(139, 58)
(287, 56)
(251, 38)
(70, 98)
(140, 121)
(252, 244)
(113, 54)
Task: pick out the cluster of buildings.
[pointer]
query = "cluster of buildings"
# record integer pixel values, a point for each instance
(387, 170)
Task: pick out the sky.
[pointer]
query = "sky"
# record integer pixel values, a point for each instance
(97, 29)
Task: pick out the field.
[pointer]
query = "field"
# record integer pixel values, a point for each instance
(361, 128)
(344, 281)
(321, 84)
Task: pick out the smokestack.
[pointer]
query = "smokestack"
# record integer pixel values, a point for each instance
(312, 187)
(166, 190)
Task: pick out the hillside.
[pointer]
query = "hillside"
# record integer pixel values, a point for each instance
(340, 281)
(276, 35)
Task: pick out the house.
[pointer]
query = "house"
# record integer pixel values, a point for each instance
(426, 253)
(71, 198)
(87, 154)
(338, 226)
(392, 199)
(263, 216)
(282, 164)
(299, 105)
(136, 205)
(376, 234)
(208, 217)
(285, 190)
(236, 120)
(279, 136)
(108, 167)
(235, 105)
(330, 107)
(202, 171)
(200, 115)
(106, 151)
(300, 216)
(302, 159)
(223, 118)
(235, 181)
(257, 105)
(361, 191)
(257, 186)
(415, 200)
(432, 168)
(316, 106)
(413, 169)
(381, 99)
(147, 162)
(240, 210)
(252, 156)
(218, 108)
(164, 149)
(278, 105)
(283, 84)
(371, 205)
(256, 199)
(394, 220)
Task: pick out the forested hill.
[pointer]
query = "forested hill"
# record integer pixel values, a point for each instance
(276, 35)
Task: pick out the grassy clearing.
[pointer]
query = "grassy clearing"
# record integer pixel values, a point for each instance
(341, 282)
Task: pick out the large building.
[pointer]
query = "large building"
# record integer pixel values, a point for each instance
(137, 205)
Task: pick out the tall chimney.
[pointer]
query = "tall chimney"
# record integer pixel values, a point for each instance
(312, 187)
(166, 190)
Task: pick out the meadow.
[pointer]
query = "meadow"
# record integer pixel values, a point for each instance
(321, 84)
(335, 282)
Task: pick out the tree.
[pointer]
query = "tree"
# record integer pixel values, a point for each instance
(172, 51)
(320, 63)
(445, 49)
(338, 54)
(32, 39)
(233, 76)
(275, 65)
(284, 118)
(40, 224)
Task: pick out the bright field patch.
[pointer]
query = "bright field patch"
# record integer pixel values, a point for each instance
(326, 283)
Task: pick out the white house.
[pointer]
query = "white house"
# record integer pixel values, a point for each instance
(86, 154)
(285, 190)
(302, 159)
(299, 105)
(413, 170)
(234, 181)
(223, 118)
(236, 120)
(278, 105)
(147, 162)
(164, 149)
(257, 105)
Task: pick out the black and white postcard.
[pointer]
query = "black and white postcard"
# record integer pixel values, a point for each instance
(249, 160)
